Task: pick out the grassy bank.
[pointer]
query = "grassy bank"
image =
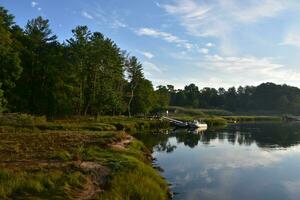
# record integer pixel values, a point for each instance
(18, 122)
(251, 118)
(75, 159)
(215, 117)
(198, 112)
(84, 157)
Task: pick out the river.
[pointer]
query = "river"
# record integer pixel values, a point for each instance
(245, 161)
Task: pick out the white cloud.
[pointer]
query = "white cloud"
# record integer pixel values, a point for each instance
(251, 68)
(158, 34)
(221, 18)
(204, 50)
(34, 4)
(191, 15)
(209, 45)
(147, 54)
(39, 8)
(168, 37)
(254, 10)
(87, 15)
(292, 38)
(202, 19)
(118, 24)
(150, 67)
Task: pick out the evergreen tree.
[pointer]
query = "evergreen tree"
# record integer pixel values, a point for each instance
(10, 68)
(135, 75)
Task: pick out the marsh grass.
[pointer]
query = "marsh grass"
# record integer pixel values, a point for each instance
(41, 159)
(39, 184)
(135, 178)
(251, 118)
(198, 112)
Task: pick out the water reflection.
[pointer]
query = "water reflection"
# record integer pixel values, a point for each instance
(265, 135)
(249, 161)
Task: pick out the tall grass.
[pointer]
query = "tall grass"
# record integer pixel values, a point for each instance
(198, 111)
(37, 185)
(135, 178)
(251, 118)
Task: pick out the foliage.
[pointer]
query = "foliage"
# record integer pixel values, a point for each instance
(1, 100)
(90, 75)
(267, 97)
(86, 75)
(10, 68)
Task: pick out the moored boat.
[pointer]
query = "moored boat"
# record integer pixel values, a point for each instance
(197, 124)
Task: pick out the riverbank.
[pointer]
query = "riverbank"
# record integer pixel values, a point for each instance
(216, 117)
(222, 121)
(76, 159)
(83, 157)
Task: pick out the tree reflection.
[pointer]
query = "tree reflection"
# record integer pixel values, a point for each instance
(265, 135)
(187, 139)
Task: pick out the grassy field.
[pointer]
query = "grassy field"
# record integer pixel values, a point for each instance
(75, 159)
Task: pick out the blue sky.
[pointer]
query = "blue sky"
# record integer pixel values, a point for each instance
(212, 43)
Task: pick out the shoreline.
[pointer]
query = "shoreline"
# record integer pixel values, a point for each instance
(76, 157)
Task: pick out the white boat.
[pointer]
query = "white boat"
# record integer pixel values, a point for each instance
(197, 124)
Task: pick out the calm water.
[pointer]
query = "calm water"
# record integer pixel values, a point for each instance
(249, 161)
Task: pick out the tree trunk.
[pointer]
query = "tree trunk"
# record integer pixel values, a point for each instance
(87, 108)
(129, 103)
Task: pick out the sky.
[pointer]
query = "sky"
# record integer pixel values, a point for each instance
(211, 43)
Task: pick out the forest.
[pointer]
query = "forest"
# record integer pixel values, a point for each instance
(267, 98)
(88, 74)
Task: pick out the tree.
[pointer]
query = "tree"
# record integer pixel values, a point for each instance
(135, 75)
(231, 99)
(78, 57)
(283, 104)
(192, 93)
(10, 68)
(98, 68)
(163, 97)
(144, 98)
(209, 97)
(41, 56)
(1, 100)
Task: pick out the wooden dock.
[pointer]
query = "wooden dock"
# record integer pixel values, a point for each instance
(176, 122)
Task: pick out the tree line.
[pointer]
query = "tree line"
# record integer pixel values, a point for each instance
(88, 74)
(265, 98)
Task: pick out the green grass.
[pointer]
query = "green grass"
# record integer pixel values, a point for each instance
(40, 184)
(214, 117)
(42, 160)
(251, 118)
(198, 112)
(27, 123)
(134, 178)
(215, 121)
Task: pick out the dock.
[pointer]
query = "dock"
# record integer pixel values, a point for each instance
(176, 122)
(291, 118)
(191, 125)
